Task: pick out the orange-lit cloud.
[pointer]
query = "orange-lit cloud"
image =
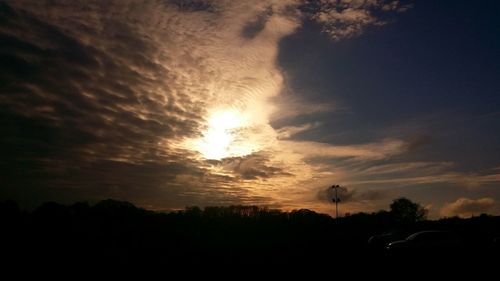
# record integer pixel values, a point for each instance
(465, 207)
(174, 103)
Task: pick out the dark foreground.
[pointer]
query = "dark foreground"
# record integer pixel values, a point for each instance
(117, 235)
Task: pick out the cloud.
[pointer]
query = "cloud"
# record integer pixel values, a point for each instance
(102, 99)
(419, 141)
(289, 131)
(465, 207)
(287, 107)
(348, 18)
(425, 175)
(254, 27)
(393, 169)
(250, 167)
(371, 151)
(106, 94)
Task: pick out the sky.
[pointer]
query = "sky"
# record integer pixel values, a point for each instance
(175, 103)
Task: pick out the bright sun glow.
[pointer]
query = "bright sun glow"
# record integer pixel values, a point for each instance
(219, 139)
(232, 133)
(219, 135)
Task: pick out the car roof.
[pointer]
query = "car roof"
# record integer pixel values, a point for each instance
(425, 232)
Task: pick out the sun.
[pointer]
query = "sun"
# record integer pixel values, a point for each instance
(228, 133)
(219, 135)
(220, 139)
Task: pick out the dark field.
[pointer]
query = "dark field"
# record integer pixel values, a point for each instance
(114, 234)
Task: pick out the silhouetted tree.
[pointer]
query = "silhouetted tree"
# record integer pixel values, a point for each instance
(193, 212)
(9, 211)
(407, 211)
(118, 233)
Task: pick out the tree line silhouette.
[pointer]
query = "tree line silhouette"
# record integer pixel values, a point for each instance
(117, 233)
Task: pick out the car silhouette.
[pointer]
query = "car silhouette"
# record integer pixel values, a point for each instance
(380, 241)
(426, 241)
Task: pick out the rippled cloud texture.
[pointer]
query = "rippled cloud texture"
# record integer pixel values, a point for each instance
(116, 98)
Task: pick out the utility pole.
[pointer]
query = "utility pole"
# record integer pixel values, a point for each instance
(336, 200)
